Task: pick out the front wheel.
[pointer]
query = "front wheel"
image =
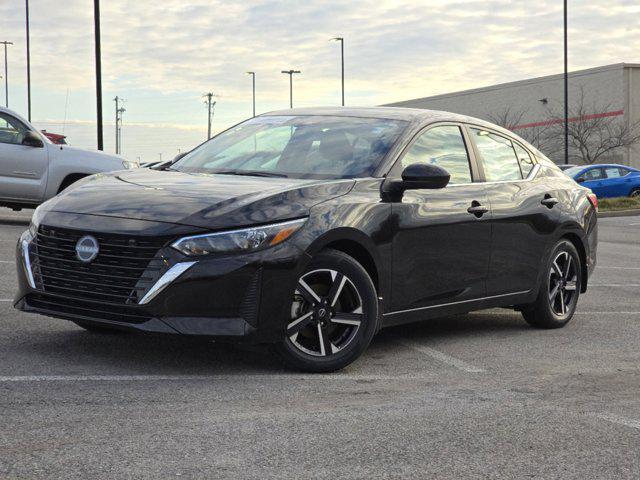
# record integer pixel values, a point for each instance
(334, 314)
(635, 193)
(560, 289)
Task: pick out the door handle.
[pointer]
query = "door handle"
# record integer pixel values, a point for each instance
(477, 209)
(549, 201)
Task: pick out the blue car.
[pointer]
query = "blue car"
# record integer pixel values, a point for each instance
(608, 180)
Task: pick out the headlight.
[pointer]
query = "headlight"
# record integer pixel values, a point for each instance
(245, 240)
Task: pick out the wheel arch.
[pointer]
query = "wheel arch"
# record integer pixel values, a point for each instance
(69, 179)
(357, 245)
(578, 243)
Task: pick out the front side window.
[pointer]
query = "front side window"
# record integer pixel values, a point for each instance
(297, 147)
(11, 130)
(592, 174)
(498, 156)
(442, 146)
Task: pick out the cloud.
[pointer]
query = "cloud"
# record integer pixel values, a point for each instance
(162, 56)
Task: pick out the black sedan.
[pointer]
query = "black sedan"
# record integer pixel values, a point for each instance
(312, 229)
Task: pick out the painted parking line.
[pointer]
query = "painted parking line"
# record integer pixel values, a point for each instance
(174, 378)
(619, 420)
(440, 356)
(614, 285)
(8, 261)
(618, 268)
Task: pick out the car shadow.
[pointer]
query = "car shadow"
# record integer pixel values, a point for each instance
(123, 353)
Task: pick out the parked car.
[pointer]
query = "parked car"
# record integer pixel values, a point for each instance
(33, 169)
(312, 229)
(566, 166)
(608, 180)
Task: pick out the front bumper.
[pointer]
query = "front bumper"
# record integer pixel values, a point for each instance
(238, 297)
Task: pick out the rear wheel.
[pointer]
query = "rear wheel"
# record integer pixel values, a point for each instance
(635, 193)
(560, 289)
(334, 313)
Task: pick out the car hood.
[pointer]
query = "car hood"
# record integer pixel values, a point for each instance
(199, 200)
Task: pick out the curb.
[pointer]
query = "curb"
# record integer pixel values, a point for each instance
(620, 213)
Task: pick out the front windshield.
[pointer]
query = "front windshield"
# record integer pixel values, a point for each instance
(297, 147)
(573, 171)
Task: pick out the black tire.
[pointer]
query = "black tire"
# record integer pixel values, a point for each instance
(346, 327)
(90, 327)
(635, 193)
(559, 290)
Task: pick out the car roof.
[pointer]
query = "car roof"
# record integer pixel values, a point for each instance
(608, 165)
(389, 113)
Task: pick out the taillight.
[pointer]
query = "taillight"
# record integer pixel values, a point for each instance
(593, 199)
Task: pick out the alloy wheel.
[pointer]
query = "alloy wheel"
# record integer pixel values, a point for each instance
(563, 283)
(635, 194)
(326, 313)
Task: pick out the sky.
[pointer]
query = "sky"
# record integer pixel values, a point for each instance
(161, 57)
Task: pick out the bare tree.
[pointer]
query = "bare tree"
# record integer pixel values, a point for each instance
(594, 131)
(512, 119)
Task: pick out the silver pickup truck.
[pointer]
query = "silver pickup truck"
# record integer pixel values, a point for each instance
(32, 169)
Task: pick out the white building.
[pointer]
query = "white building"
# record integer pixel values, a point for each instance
(611, 91)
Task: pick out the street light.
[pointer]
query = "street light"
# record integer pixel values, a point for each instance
(290, 73)
(253, 79)
(341, 40)
(6, 74)
(566, 89)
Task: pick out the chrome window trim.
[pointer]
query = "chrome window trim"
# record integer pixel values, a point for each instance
(456, 303)
(532, 175)
(165, 280)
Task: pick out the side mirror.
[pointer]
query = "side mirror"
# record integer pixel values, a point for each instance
(580, 180)
(424, 175)
(32, 139)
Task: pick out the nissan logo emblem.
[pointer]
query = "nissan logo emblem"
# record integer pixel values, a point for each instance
(87, 249)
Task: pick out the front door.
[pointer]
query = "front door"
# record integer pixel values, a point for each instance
(23, 169)
(443, 241)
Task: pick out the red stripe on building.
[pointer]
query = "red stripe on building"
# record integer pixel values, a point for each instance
(556, 121)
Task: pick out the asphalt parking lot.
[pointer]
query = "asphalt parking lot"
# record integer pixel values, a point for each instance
(475, 396)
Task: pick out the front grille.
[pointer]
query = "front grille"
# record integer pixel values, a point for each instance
(126, 266)
(72, 308)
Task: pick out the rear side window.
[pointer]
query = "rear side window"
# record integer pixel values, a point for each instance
(442, 146)
(624, 172)
(526, 164)
(498, 156)
(612, 172)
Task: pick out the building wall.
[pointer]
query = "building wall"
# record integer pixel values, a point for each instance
(609, 89)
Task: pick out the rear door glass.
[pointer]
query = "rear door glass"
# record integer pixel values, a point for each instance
(497, 155)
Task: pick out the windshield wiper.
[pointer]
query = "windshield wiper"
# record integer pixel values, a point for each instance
(250, 173)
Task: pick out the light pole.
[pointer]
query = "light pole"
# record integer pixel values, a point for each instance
(96, 27)
(290, 73)
(6, 74)
(26, 5)
(566, 89)
(253, 81)
(341, 40)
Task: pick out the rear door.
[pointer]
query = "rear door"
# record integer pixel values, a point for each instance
(524, 212)
(23, 169)
(615, 185)
(441, 248)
